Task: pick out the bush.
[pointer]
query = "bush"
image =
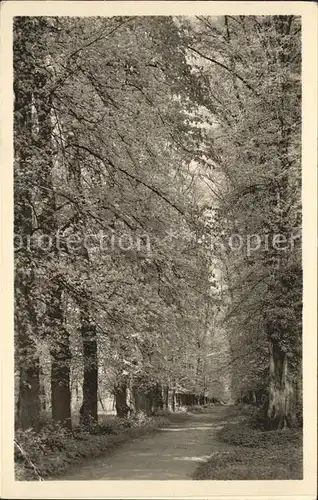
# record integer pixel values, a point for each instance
(39, 454)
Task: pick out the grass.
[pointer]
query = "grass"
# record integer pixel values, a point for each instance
(247, 453)
(53, 450)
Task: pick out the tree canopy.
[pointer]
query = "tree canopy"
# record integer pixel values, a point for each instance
(157, 187)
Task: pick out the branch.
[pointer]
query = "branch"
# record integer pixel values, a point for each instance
(231, 313)
(97, 39)
(25, 456)
(151, 188)
(224, 67)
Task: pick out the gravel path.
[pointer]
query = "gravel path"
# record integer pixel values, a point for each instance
(171, 453)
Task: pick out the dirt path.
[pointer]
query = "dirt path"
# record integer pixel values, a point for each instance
(171, 453)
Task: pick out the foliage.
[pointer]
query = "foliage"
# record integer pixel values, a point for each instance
(248, 71)
(116, 167)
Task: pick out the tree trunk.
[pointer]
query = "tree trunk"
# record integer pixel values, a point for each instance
(100, 401)
(42, 390)
(148, 401)
(60, 362)
(122, 408)
(27, 359)
(88, 410)
(173, 400)
(136, 398)
(29, 401)
(144, 398)
(254, 400)
(60, 389)
(165, 397)
(60, 345)
(155, 398)
(281, 408)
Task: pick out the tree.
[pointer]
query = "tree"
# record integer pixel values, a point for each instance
(260, 195)
(100, 166)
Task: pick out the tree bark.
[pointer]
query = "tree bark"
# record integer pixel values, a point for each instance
(42, 390)
(156, 398)
(60, 362)
(122, 408)
(60, 345)
(28, 407)
(166, 397)
(99, 397)
(88, 410)
(281, 412)
(27, 359)
(139, 397)
(173, 400)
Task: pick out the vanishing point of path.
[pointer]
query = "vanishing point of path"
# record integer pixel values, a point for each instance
(171, 453)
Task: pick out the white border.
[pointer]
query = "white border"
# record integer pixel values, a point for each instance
(165, 489)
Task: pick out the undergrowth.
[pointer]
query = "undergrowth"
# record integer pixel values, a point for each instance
(244, 451)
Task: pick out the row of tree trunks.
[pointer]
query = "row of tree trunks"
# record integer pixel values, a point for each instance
(191, 399)
(145, 399)
(149, 399)
(31, 95)
(152, 399)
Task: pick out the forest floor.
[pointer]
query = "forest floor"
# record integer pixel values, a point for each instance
(218, 445)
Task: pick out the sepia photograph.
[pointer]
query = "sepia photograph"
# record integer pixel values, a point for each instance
(158, 248)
